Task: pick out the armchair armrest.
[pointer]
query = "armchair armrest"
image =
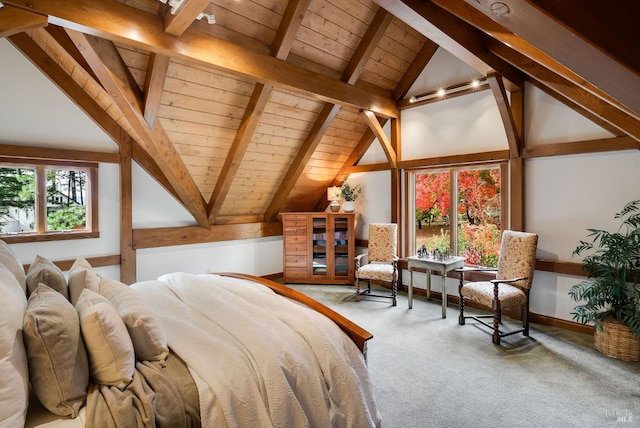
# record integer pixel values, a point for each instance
(361, 259)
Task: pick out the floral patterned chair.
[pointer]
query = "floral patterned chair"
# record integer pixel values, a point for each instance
(511, 287)
(381, 262)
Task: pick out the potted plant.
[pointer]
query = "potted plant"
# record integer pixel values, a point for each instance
(610, 296)
(350, 194)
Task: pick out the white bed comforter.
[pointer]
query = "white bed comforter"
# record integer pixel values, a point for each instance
(266, 361)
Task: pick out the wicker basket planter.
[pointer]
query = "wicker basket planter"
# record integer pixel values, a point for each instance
(615, 340)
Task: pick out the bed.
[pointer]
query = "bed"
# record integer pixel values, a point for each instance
(182, 350)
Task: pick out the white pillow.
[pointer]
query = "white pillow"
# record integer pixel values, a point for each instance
(14, 371)
(147, 335)
(11, 262)
(110, 351)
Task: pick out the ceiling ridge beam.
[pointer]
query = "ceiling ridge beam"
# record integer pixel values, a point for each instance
(144, 30)
(114, 75)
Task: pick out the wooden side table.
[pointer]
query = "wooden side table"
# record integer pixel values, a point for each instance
(432, 264)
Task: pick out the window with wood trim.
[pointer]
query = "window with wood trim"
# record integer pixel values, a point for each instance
(458, 211)
(46, 200)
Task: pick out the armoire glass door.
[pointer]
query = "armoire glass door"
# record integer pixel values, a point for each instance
(319, 243)
(341, 246)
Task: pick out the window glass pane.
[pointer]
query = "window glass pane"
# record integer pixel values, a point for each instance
(66, 199)
(433, 205)
(17, 199)
(479, 216)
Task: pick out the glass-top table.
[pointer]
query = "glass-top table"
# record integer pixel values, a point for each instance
(442, 265)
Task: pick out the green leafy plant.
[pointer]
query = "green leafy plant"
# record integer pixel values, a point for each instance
(613, 270)
(350, 193)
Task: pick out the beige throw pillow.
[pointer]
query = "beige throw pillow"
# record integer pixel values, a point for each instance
(111, 355)
(147, 335)
(42, 270)
(58, 366)
(11, 262)
(81, 276)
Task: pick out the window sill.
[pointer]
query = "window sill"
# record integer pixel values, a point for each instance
(49, 236)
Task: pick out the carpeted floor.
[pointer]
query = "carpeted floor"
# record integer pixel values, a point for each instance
(432, 372)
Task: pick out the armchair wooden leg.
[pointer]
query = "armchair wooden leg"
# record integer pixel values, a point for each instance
(496, 323)
(461, 300)
(525, 319)
(394, 292)
(357, 290)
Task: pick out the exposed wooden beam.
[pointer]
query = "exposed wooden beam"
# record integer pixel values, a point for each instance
(451, 33)
(578, 109)
(579, 147)
(368, 44)
(178, 22)
(15, 21)
(105, 61)
(421, 60)
(119, 22)
(616, 117)
(288, 29)
(153, 86)
(241, 141)
(587, 57)
(127, 253)
(329, 111)
(169, 236)
(377, 130)
(14, 151)
(351, 73)
(39, 58)
(495, 156)
(500, 95)
(62, 38)
(86, 103)
(280, 48)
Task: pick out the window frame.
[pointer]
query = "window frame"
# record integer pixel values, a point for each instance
(452, 169)
(40, 233)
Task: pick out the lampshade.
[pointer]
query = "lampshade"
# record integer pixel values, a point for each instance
(333, 193)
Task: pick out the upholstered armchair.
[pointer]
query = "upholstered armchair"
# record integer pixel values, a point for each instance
(514, 277)
(381, 261)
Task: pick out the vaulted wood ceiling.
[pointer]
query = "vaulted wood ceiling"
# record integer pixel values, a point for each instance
(260, 112)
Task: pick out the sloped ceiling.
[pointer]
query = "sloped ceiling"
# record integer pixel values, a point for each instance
(260, 112)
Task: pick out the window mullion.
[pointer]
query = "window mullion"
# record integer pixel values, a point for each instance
(453, 212)
(41, 199)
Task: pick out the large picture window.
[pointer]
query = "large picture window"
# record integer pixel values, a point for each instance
(459, 211)
(47, 201)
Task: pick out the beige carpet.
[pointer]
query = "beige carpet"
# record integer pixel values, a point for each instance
(432, 372)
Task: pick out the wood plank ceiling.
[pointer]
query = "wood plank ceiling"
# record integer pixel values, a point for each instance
(260, 112)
